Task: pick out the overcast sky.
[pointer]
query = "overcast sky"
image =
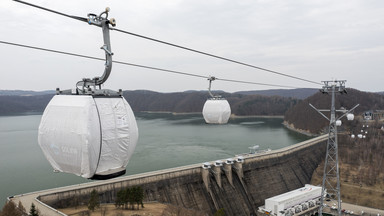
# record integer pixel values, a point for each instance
(311, 39)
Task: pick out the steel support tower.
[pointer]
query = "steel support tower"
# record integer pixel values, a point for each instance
(331, 176)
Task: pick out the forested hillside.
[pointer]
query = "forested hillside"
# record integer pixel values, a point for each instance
(24, 93)
(300, 93)
(303, 117)
(361, 166)
(142, 100)
(297, 112)
(179, 102)
(22, 104)
(194, 101)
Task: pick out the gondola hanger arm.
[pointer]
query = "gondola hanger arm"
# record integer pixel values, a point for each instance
(212, 78)
(102, 21)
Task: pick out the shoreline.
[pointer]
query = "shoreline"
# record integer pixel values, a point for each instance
(291, 127)
(233, 116)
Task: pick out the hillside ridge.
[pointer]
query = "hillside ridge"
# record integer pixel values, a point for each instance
(178, 102)
(302, 117)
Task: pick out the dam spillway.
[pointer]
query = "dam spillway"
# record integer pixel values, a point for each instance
(239, 188)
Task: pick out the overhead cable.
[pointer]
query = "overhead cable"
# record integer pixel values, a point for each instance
(52, 11)
(214, 56)
(141, 66)
(50, 50)
(178, 46)
(255, 83)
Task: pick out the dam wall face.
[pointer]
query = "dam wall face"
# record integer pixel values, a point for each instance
(238, 188)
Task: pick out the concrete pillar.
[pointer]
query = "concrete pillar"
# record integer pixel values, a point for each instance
(206, 179)
(228, 172)
(217, 173)
(238, 167)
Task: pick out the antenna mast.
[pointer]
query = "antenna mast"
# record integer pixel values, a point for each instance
(331, 176)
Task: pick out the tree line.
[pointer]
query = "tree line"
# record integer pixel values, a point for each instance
(11, 209)
(126, 198)
(364, 157)
(179, 102)
(302, 116)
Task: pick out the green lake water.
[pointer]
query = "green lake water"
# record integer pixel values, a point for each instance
(165, 141)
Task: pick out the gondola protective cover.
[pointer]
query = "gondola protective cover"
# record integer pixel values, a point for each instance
(85, 136)
(119, 133)
(216, 111)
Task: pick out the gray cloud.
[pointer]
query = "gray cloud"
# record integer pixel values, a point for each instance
(316, 40)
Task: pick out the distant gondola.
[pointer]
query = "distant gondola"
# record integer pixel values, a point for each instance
(216, 109)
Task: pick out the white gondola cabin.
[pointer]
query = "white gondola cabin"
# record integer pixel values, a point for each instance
(89, 136)
(216, 109)
(89, 131)
(350, 116)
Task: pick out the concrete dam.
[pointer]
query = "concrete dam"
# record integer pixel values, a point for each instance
(238, 188)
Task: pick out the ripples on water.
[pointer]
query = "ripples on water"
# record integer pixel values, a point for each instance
(165, 141)
(251, 123)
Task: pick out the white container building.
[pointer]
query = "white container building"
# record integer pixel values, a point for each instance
(277, 205)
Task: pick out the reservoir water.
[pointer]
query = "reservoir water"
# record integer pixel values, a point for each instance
(165, 141)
